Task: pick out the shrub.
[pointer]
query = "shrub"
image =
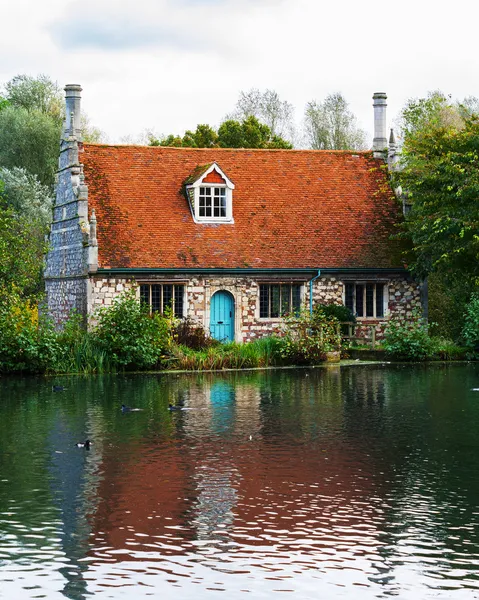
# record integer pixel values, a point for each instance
(339, 311)
(470, 329)
(28, 341)
(188, 332)
(131, 337)
(309, 337)
(408, 339)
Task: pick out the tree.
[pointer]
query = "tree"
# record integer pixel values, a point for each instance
(26, 196)
(249, 133)
(21, 256)
(36, 94)
(29, 140)
(269, 109)
(330, 125)
(440, 171)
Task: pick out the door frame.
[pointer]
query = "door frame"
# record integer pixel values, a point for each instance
(209, 292)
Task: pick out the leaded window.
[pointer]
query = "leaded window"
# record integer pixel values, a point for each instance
(279, 299)
(159, 296)
(365, 299)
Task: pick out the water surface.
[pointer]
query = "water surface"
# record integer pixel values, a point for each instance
(315, 483)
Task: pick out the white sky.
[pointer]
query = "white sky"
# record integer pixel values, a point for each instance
(168, 65)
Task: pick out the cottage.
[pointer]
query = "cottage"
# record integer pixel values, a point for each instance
(233, 238)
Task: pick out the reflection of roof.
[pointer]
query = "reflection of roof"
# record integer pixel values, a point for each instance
(291, 209)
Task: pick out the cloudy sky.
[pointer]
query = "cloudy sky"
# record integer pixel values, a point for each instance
(168, 65)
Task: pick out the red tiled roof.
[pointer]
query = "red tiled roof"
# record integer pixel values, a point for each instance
(291, 209)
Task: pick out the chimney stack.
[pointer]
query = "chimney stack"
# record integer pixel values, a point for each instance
(73, 108)
(380, 142)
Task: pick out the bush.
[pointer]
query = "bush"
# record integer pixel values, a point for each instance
(309, 337)
(470, 330)
(130, 336)
(188, 332)
(28, 342)
(339, 311)
(408, 339)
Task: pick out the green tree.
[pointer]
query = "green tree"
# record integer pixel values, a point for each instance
(26, 196)
(249, 133)
(440, 175)
(330, 125)
(36, 94)
(21, 256)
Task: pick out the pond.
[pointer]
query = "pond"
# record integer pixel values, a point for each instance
(352, 482)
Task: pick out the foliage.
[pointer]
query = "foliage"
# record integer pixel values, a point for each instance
(249, 133)
(267, 108)
(341, 312)
(470, 330)
(26, 196)
(448, 295)
(28, 342)
(4, 103)
(256, 354)
(36, 94)
(408, 339)
(190, 333)
(22, 247)
(129, 335)
(441, 176)
(29, 139)
(309, 337)
(330, 125)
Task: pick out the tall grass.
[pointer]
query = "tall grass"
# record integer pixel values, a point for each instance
(259, 353)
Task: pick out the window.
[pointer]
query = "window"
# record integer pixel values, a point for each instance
(210, 194)
(365, 299)
(159, 296)
(212, 202)
(278, 299)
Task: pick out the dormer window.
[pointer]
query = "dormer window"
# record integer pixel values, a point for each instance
(210, 194)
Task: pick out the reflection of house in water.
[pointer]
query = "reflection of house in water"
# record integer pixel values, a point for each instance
(302, 484)
(75, 478)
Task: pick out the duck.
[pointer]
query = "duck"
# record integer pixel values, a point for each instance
(125, 409)
(173, 407)
(58, 388)
(86, 444)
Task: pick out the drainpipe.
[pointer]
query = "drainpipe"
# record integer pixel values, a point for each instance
(311, 291)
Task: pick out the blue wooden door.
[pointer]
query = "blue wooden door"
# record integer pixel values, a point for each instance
(222, 317)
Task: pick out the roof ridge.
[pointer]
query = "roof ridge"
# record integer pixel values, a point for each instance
(215, 149)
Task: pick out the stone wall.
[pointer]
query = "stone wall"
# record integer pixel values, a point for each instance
(404, 297)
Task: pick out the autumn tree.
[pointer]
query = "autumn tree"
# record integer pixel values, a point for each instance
(330, 125)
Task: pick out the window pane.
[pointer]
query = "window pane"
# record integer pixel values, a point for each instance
(370, 299)
(145, 294)
(296, 293)
(359, 301)
(275, 300)
(167, 296)
(349, 297)
(179, 295)
(264, 301)
(285, 299)
(379, 300)
(156, 298)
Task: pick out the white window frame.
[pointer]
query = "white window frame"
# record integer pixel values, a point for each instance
(195, 201)
(365, 282)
